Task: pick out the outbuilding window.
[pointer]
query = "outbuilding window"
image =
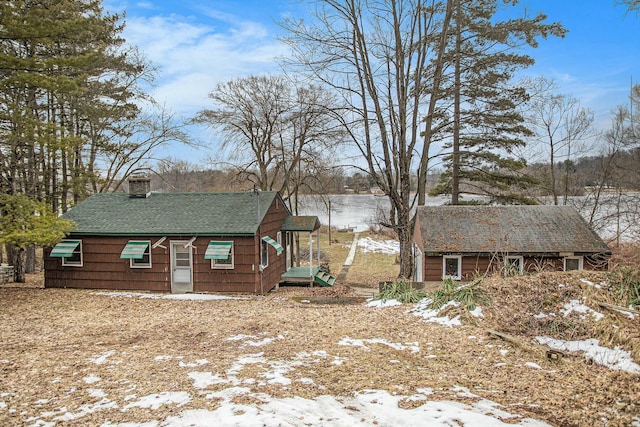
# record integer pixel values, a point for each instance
(572, 263)
(514, 264)
(452, 266)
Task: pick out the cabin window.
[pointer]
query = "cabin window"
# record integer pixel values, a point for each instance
(279, 239)
(514, 264)
(69, 251)
(145, 261)
(452, 267)
(74, 259)
(220, 254)
(572, 263)
(138, 252)
(264, 254)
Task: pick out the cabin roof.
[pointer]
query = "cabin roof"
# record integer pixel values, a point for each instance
(172, 214)
(301, 223)
(499, 229)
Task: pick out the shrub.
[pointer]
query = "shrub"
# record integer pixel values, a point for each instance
(625, 283)
(469, 296)
(400, 290)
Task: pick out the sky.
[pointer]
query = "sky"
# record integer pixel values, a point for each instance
(197, 43)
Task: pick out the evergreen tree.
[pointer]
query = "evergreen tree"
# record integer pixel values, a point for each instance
(71, 102)
(485, 127)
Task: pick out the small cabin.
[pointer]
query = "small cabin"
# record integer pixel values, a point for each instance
(462, 241)
(179, 242)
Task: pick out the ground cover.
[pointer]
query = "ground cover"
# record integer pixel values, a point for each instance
(294, 357)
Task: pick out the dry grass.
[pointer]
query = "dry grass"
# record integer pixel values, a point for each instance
(51, 338)
(368, 269)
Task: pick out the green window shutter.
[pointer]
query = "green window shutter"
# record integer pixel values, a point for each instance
(65, 248)
(218, 250)
(134, 249)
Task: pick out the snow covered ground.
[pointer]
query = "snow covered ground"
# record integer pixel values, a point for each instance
(363, 408)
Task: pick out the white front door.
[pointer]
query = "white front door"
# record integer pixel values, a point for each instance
(181, 267)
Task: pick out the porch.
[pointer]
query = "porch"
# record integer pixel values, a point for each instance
(308, 276)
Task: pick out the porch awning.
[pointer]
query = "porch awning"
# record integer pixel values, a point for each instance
(218, 250)
(65, 248)
(276, 245)
(134, 249)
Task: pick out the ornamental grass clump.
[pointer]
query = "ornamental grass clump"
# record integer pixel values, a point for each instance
(400, 290)
(469, 296)
(624, 282)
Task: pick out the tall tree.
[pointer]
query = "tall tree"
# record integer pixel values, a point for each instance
(280, 133)
(71, 101)
(72, 112)
(375, 54)
(486, 127)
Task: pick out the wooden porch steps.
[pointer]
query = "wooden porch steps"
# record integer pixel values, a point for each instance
(324, 279)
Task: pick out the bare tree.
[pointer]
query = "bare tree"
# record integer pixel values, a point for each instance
(563, 128)
(278, 133)
(375, 55)
(632, 5)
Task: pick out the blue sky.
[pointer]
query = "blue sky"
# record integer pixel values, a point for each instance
(198, 43)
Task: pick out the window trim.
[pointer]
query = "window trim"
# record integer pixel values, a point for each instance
(458, 276)
(279, 240)
(137, 262)
(264, 254)
(580, 259)
(520, 259)
(214, 262)
(78, 249)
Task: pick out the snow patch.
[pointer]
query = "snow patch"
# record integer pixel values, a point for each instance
(616, 358)
(413, 346)
(389, 247)
(422, 309)
(575, 306)
(156, 400)
(187, 297)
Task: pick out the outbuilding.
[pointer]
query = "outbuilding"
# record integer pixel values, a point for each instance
(462, 241)
(180, 242)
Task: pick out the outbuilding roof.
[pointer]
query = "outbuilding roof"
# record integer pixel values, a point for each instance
(172, 214)
(494, 229)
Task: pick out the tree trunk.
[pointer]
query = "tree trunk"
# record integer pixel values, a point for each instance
(455, 159)
(18, 264)
(435, 94)
(30, 264)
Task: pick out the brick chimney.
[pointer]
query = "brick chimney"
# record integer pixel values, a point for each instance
(139, 186)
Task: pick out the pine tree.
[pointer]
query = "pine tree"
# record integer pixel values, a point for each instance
(486, 128)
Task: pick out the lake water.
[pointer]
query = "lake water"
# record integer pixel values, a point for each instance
(357, 211)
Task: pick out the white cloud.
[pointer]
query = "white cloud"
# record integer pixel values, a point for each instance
(193, 57)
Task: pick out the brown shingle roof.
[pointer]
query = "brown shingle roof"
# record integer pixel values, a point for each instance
(491, 229)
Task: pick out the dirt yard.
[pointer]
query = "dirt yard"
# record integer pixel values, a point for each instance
(80, 357)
